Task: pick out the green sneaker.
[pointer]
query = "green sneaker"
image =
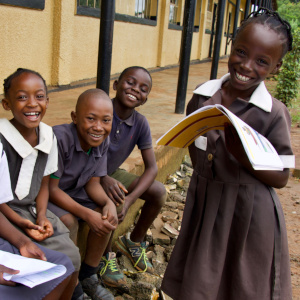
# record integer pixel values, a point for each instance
(110, 273)
(136, 252)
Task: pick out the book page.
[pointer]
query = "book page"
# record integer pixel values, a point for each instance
(32, 271)
(259, 150)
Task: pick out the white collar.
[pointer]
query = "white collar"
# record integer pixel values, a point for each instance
(260, 97)
(23, 148)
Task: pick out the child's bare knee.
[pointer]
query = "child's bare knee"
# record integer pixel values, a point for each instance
(71, 222)
(160, 193)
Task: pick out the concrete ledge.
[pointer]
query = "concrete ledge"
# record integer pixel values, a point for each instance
(168, 161)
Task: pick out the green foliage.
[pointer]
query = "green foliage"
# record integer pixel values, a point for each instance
(290, 11)
(288, 78)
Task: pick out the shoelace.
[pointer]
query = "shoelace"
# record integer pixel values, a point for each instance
(145, 259)
(111, 264)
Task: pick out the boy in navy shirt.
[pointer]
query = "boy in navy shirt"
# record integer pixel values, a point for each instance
(75, 189)
(129, 129)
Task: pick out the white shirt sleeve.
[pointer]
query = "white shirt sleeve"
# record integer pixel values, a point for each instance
(52, 162)
(5, 186)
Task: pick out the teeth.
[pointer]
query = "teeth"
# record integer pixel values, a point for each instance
(95, 135)
(131, 96)
(241, 77)
(32, 114)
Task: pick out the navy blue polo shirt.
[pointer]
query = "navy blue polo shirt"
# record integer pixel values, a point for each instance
(125, 134)
(75, 166)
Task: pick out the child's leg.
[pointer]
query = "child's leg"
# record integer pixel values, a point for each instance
(72, 224)
(133, 246)
(66, 288)
(57, 293)
(68, 219)
(95, 247)
(154, 197)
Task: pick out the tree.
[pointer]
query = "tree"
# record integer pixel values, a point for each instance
(288, 77)
(290, 11)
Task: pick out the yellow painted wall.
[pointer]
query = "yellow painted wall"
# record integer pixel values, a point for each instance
(85, 47)
(63, 46)
(26, 40)
(125, 7)
(135, 44)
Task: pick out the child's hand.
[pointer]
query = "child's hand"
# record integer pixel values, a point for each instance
(114, 189)
(4, 269)
(98, 225)
(31, 250)
(46, 225)
(234, 144)
(34, 231)
(109, 213)
(123, 213)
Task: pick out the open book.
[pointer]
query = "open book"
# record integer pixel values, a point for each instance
(259, 150)
(32, 271)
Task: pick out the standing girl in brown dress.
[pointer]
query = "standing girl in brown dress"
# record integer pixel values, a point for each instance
(233, 241)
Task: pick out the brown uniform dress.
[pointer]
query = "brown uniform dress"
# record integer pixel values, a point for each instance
(233, 240)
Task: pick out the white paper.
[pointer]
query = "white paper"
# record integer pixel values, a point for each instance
(32, 271)
(260, 151)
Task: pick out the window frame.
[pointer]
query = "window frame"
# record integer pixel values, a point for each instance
(34, 4)
(96, 12)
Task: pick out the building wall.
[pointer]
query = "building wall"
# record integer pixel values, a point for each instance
(63, 46)
(26, 39)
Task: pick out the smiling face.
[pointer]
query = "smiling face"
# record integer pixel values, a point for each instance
(27, 99)
(133, 88)
(93, 119)
(256, 52)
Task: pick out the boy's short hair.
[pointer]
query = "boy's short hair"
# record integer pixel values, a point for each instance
(136, 67)
(95, 91)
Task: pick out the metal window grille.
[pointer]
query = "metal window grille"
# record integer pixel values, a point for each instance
(173, 11)
(142, 9)
(90, 3)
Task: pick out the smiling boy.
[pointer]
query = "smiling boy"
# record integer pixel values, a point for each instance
(130, 129)
(75, 190)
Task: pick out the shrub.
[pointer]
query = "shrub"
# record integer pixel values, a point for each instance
(288, 78)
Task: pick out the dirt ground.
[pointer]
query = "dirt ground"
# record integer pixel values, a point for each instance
(290, 200)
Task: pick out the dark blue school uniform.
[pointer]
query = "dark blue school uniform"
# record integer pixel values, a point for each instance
(75, 166)
(124, 136)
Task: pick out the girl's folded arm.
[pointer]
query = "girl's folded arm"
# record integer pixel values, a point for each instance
(11, 215)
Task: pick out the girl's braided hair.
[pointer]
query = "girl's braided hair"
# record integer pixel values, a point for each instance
(19, 71)
(271, 19)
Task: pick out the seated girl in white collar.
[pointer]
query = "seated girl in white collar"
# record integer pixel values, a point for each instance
(31, 151)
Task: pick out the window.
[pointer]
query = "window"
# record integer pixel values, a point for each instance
(142, 9)
(197, 14)
(37, 4)
(134, 11)
(210, 15)
(174, 17)
(90, 3)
